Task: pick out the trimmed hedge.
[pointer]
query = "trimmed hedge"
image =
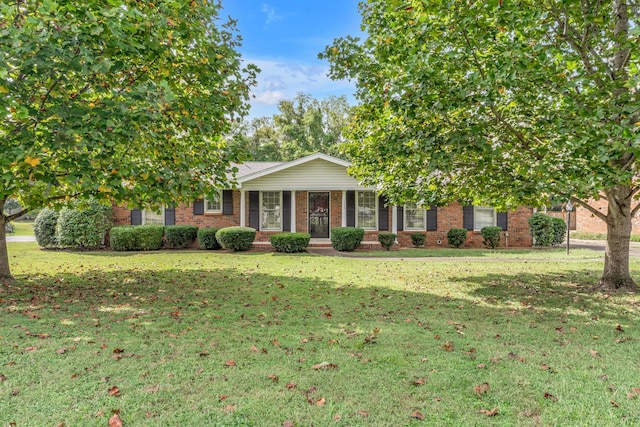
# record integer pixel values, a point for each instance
(491, 236)
(456, 237)
(207, 238)
(236, 238)
(541, 227)
(418, 239)
(44, 228)
(559, 230)
(136, 237)
(180, 236)
(290, 242)
(387, 239)
(346, 238)
(83, 226)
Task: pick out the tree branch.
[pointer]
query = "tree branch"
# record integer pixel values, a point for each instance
(9, 218)
(590, 208)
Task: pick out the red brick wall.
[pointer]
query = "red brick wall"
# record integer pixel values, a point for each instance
(448, 217)
(586, 221)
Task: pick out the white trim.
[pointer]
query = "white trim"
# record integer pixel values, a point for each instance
(344, 208)
(424, 219)
(243, 204)
(287, 165)
(475, 217)
(394, 219)
(375, 213)
(262, 227)
(215, 211)
(293, 211)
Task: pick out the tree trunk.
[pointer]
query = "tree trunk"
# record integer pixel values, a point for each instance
(5, 271)
(616, 259)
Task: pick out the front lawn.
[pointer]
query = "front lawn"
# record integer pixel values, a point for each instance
(200, 338)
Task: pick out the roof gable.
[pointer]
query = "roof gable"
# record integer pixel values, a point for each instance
(274, 167)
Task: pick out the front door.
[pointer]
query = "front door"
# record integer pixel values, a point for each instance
(319, 214)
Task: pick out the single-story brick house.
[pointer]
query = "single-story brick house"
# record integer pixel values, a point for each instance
(588, 222)
(314, 194)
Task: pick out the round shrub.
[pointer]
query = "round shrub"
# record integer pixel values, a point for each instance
(541, 228)
(290, 242)
(149, 237)
(491, 236)
(124, 238)
(418, 239)
(456, 237)
(44, 228)
(180, 236)
(236, 238)
(559, 230)
(346, 238)
(387, 239)
(207, 238)
(83, 226)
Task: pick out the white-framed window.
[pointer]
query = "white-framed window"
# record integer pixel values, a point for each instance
(483, 216)
(415, 217)
(271, 210)
(213, 205)
(367, 210)
(151, 217)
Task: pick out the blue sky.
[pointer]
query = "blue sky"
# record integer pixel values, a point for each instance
(283, 38)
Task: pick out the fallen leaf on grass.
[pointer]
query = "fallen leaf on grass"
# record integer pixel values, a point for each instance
(321, 401)
(273, 378)
(449, 346)
(61, 350)
(550, 396)
(490, 413)
(481, 389)
(229, 364)
(594, 353)
(115, 421)
(363, 414)
(614, 403)
(99, 414)
(418, 415)
(223, 397)
(152, 389)
(290, 386)
(255, 349)
(325, 365)
(337, 417)
(481, 366)
(419, 381)
(230, 408)
(114, 391)
(31, 348)
(2, 378)
(287, 423)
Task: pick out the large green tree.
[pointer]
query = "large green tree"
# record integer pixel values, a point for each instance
(500, 102)
(123, 101)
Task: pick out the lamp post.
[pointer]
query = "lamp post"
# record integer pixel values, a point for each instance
(568, 207)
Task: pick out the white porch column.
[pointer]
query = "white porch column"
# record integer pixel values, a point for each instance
(293, 211)
(242, 208)
(394, 219)
(344, 208)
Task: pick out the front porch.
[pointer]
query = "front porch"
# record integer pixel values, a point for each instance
(263, 246)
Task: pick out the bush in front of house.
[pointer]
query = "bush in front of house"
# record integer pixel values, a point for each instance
(136, 237)
(83, 226)
(559, 230)
(541, 227)
(236, 238)
(44, 228)
(418, 239)
(491, 236)
(387, 239)
(346, 238)
(456, 237)
(180, 236)
(290, 242)
(207, 238)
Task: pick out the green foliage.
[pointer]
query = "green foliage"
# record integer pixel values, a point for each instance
(44, 228)
(559, 230)
(456, 237)
(83, 226)
(136, 237)
(236, 238)
(290, 242)
(387, 239)
(346, 238)
(180, 236)
(491, 236)
(207, 238)
(418, 239)
(541, 227)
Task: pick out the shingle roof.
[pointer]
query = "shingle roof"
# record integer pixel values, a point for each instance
(252, 167)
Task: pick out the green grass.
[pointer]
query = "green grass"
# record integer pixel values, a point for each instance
(511, 254)
(22, 228)
(598, 236)
(404, 336)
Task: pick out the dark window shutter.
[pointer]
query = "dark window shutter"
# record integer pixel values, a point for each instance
(227, 202)
(400, 218)
(351, 208)
(286, 211)
(502, 220)
(383, 214)
(136, 217)
(254, 209)
(198, 207)
(432, 218)
(170, 215)
(467, 217)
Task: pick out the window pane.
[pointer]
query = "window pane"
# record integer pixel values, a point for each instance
(271, 210)
(483, 217)
(153, 218)
(366, 204)
(213, 205)
(414, 217)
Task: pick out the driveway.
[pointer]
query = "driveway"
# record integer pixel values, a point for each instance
(598, 245)
(21, 238)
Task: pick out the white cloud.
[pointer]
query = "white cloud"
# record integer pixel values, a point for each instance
(270, 12)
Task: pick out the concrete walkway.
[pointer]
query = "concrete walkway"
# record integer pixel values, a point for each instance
(21, 238)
